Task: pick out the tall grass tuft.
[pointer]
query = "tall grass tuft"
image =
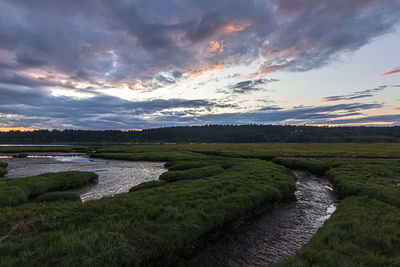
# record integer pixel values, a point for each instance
(16, 191)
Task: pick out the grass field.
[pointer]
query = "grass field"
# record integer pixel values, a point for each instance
(208, 185)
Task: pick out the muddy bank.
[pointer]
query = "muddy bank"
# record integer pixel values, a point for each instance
(273, 235)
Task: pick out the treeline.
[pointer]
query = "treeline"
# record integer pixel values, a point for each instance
(210, 134)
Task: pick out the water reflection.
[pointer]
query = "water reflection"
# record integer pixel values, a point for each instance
(71, 158)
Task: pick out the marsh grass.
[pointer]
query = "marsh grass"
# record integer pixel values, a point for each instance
(170, 156)
(193, 173)
(315, 166)
(378, 179)
(147, 185)
(58, 195)
(16, 191)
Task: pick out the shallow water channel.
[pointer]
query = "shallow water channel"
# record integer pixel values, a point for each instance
(269, 237)
(115, 176)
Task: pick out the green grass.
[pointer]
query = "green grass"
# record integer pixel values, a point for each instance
(176, 166)
(377, 179)
(194, 173)
(315, 166)
(3, 168)
(16, 191)
(144, 227)
(58, 195)
(147, 185)
(270, 150)
(361, 232)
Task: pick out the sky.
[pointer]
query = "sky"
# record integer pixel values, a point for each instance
(137, 64)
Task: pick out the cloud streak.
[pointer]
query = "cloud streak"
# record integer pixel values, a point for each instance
(391, 71)
(355, 95)
(249, 85)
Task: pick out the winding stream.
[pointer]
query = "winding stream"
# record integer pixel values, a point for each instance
(115, 176)
(271, 236)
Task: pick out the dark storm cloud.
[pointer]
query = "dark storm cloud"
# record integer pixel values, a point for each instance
(355, 95)
(147, 37)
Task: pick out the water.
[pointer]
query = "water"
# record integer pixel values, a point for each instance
(115, 176)
(267, 238)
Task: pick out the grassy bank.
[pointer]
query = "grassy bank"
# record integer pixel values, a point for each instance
(143, 227)
(3, 168)
(15, 191)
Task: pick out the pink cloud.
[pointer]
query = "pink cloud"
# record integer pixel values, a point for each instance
(391, 71)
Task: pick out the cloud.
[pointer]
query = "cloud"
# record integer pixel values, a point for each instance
(250, 85)
(391, 119)
(296, 115)
(391, 71)
(126, 41)
(355, 95)
(22, 107)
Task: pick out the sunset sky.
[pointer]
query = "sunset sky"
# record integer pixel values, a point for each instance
(122, 64)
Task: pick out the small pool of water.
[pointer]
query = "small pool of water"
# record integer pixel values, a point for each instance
(66, 158)
(71, 158)
(115, 176)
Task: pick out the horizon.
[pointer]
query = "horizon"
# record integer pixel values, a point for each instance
(202, 125)
(136, 64)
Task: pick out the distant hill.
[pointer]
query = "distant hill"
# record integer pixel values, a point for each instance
(209, 134)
